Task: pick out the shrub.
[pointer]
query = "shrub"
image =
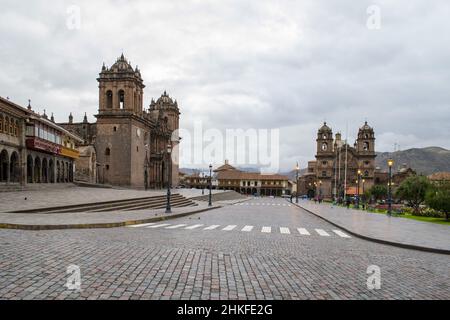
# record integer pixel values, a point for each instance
(430, 213)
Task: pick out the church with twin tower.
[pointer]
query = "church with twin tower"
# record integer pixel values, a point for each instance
(131, 144)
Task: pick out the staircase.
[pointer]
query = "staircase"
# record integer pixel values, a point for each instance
(155, 202)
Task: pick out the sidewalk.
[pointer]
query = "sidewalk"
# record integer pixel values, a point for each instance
(87, 220)
(381, 228)
(70, 194)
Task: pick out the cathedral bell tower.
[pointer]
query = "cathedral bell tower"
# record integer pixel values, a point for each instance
(324, 140)
(120, 88)
(365, 143)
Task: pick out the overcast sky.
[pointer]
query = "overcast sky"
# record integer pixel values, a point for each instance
(285, 65)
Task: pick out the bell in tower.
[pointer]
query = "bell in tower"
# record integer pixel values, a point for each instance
(366, 139)
(324, 139)
(120, 88)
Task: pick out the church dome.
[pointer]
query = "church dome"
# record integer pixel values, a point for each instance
(164, 99)
(121, 65)
(366, 127)
(164, 102)
(325, 128)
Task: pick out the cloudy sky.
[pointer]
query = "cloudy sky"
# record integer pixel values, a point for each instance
(286, 65)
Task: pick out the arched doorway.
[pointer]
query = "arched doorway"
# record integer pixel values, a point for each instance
(58, 171)
(51, 168)
(30, 169)
(14, 169)
(44, 171)
(37, 170)
(4, 166)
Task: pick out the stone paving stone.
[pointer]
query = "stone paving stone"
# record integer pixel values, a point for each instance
(132, 263)
(393, 229)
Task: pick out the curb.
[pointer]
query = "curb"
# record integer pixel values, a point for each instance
(391, 243)
(100, 225)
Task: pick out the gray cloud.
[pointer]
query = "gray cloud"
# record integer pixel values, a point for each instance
(245, 64)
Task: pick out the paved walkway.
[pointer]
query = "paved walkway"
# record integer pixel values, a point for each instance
(69, 194)
(393, 230)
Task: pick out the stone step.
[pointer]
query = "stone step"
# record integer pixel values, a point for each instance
(97, 205)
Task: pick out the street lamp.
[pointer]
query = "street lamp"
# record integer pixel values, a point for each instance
(202, 182)
(357, 190)
(320, 191)
(210, 186)
(169, 178)
(390, 163)
(146, 168)
(363, 191)
(297, 169)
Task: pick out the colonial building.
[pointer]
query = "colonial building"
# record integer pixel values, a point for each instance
(338, 166)
(33, 149)
(132, 145)
(227, 177)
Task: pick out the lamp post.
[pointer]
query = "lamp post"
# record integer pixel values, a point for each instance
(169, 178)
(320, 191)
(390, 163)
(357, 188)
(363, 191)
(210, 186)
(297, 169)
(202, 181)
(146, 168)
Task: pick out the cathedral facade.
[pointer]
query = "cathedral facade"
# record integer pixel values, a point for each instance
(133, 146)
(339, 168)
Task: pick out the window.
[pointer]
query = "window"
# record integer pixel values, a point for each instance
(115, 129)
(324, 173)
(1, 123)
(324, 146)
(121, 99)
(366, 173)
(366, 163)
(366, 146)
(324, 163)
(109, 99)
(6, 125)
(107, 152)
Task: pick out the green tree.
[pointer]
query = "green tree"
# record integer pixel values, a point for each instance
(413, 190)
(378, 192)
(438, 198)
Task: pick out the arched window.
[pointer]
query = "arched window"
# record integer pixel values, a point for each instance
(324, 146)
(109, 99)
(16, 128)
(121, 99)
(366, 146)
(366, 173)
(107, 152)
(1, 123)
(11, 126)
(6, 129)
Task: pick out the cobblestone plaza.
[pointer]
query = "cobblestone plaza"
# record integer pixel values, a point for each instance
(258, 249)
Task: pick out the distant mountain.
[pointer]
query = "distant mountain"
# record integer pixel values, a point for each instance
(292, 174)
(423, 160)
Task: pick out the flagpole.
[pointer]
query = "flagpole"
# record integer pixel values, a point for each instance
(345, 168)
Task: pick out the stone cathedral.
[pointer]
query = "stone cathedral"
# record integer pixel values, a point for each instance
(337, 163)
(128, 145)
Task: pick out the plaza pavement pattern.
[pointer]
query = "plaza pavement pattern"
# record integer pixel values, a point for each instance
(190, 258)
